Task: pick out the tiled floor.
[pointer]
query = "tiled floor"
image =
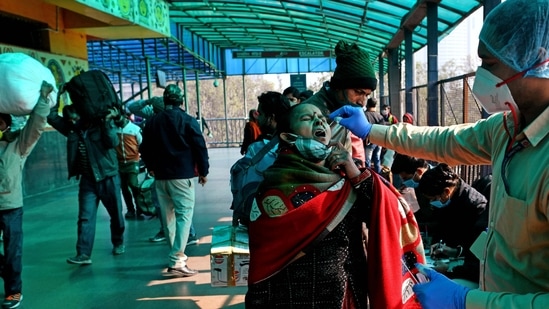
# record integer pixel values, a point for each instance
(134, 279)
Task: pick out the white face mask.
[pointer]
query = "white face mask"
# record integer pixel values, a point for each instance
(494, 99)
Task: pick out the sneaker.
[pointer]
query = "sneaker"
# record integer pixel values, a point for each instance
(193, 240)
(80, 259)
(119, 249)
(130, 214)
(158, 237)
(182, 271)
(13, 301)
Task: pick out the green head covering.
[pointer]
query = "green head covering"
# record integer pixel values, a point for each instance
(173, 95)
(353, 68)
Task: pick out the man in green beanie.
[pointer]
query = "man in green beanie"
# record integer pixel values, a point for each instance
(353, 81)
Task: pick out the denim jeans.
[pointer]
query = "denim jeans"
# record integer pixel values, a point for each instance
(90, 193)
(129, 184)
(11, 222)
(176, 199)
(373, 155)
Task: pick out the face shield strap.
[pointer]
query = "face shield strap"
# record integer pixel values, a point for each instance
(521, 74)
(513, 136)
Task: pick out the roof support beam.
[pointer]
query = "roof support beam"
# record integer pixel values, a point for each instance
(432, 65)
(410, 22)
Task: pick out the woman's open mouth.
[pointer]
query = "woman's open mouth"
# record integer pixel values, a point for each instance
(319, 133)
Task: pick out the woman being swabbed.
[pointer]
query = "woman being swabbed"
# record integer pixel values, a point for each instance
(306, 244)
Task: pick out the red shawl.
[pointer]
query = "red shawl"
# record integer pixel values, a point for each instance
(394, 245)
(275, 241)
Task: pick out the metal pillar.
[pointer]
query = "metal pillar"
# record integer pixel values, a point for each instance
(185, 100)
(226, 116)
(432, 64)
(381, 81)
(409, 71)
(198, 108)
(148, 70)
(394, 80)
(244, 95)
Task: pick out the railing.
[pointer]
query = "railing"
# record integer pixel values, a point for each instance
(226, 132)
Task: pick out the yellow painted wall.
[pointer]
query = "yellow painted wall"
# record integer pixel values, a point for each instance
(63, 42)
(69, 43)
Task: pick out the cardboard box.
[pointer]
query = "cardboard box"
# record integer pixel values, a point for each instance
(229, 256)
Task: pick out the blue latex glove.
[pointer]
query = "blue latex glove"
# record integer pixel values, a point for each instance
(353, 118)
(439, 292)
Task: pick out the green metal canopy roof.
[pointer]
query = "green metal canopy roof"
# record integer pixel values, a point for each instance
(309, 24)
(206, 33)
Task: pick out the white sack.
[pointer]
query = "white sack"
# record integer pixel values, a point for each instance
(21, 77)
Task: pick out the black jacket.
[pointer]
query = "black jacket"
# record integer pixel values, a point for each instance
(173, 146)
(459, 224)
(100, 140)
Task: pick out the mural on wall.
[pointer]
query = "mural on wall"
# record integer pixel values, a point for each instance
(152, 14)
(63, 68)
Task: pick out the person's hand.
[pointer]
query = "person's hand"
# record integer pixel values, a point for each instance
(439, 292)
(45, 89)
(439, 251)
(441, 267)
(341, 158)
(202, 180)
(112, 113)
(352, 118)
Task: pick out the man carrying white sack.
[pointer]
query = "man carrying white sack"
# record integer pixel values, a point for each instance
(15, 148)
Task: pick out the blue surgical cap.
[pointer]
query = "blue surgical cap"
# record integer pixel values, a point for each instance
(517, 33)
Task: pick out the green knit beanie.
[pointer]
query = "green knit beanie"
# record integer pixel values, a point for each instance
(353, 68)
(173, 95)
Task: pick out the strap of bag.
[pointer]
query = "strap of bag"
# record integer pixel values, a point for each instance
(258, 156)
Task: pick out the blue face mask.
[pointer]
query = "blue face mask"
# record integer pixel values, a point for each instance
(439, 204)
(410, 183)
(310, 148)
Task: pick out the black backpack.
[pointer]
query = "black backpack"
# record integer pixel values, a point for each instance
(92, 94)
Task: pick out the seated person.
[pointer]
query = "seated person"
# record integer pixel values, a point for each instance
(459, 209)
(409, 170)
(306, 245)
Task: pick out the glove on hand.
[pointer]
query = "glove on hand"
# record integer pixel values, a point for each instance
(439, 292)
(353, 118)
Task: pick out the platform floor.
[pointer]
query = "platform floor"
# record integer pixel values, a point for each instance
(134, 279)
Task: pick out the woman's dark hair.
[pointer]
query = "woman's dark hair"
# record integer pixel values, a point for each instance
(273, 103)
(6, 118)
(293, 90)
(434, 181)
(407, 164)
(304, 95)
(283, 122)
